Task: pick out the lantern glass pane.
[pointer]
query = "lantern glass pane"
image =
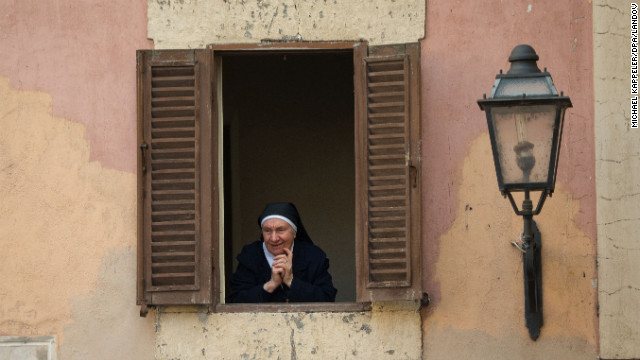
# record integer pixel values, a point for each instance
(515, 87)
(524, 136)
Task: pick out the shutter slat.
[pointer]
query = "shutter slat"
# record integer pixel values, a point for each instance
(173, 264)
(383, 126)
(401, 272)
(173, 212)
(388, 261)
(389, 136)
(387, 73)
(175, 163)
(172, 243)
(173, 233)
(373, 86)
(375, 106)
(170, 254)
(168, 203)
(383, 95)
(386, 178)
(159, 131)
(160, 91)
(397, 115)
(386, 167)
(390, 251)
(180, 142)
(378, 149)
(174, 222)
(388, 241)
(386, 156)
(172, 275)
(159, 101)
(387, 230)
(387, 187)
(175, 171)
(159, 121)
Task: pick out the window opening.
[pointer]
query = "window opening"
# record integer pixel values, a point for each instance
(288, 135)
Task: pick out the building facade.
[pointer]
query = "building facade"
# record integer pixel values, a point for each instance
(69, 167)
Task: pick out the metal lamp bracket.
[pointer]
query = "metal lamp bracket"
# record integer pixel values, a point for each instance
(531, 262)
(543, 197)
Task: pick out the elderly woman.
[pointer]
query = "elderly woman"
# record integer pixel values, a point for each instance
(284, 265)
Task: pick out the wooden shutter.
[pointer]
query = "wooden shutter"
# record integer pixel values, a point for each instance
(175, 190)
(387, 175)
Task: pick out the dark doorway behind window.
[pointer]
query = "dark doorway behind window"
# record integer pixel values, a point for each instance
(289, 136)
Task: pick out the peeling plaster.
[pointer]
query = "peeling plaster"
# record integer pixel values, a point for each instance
(375, 334)
(480, 272)
(195, 24)
(60, 214)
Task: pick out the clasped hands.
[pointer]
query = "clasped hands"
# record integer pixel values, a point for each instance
(281, 271)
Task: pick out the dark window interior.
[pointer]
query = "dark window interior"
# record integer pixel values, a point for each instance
(288, 135)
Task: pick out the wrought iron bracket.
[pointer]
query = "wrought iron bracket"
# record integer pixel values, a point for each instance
(543, 197)
(531, 262)
(532, 269)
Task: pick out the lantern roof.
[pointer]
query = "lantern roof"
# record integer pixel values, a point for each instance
(524, 78)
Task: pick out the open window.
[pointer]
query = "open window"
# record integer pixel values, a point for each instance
(332, 127)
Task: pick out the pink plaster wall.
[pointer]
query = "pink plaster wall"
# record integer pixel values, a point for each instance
(466, 44)
(83, 54)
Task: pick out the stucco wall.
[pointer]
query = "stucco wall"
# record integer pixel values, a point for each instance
(618, 188)
(471, 271)
(67, 176)
(388, 331)
(194, 24)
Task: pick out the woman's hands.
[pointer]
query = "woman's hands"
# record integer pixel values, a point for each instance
(281, 271)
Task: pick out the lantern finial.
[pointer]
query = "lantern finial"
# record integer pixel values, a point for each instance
(523, 60)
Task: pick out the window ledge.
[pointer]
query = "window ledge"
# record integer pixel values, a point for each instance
(294, 307)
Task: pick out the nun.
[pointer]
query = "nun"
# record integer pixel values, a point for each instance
(284, 265)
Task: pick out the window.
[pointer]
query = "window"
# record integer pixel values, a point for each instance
(185, 181)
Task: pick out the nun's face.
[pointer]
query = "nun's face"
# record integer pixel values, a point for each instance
(277, 235)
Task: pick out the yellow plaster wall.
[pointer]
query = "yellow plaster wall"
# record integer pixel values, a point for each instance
(617, 185)
(388, 331)
(480, 273)
(194, 24)
(60, 216)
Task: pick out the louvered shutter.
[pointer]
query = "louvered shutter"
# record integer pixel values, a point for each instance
(174, 177)
(387, 155)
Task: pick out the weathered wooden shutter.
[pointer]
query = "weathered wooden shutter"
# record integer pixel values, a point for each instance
(175, 166)
(387, 176)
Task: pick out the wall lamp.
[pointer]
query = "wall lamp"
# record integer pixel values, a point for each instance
(525, 116)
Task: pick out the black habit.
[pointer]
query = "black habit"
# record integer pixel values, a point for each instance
(311, 278)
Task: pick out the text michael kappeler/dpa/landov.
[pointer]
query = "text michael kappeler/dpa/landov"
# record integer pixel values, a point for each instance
(634, 65)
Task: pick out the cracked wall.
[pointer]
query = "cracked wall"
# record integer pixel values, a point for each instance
(194, 24)
(388, 331)
(618, 188)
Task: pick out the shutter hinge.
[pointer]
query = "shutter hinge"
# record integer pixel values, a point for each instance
(413, 173)
(144, 310)
(144, 146)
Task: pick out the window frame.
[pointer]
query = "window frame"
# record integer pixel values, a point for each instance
(365, 292)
